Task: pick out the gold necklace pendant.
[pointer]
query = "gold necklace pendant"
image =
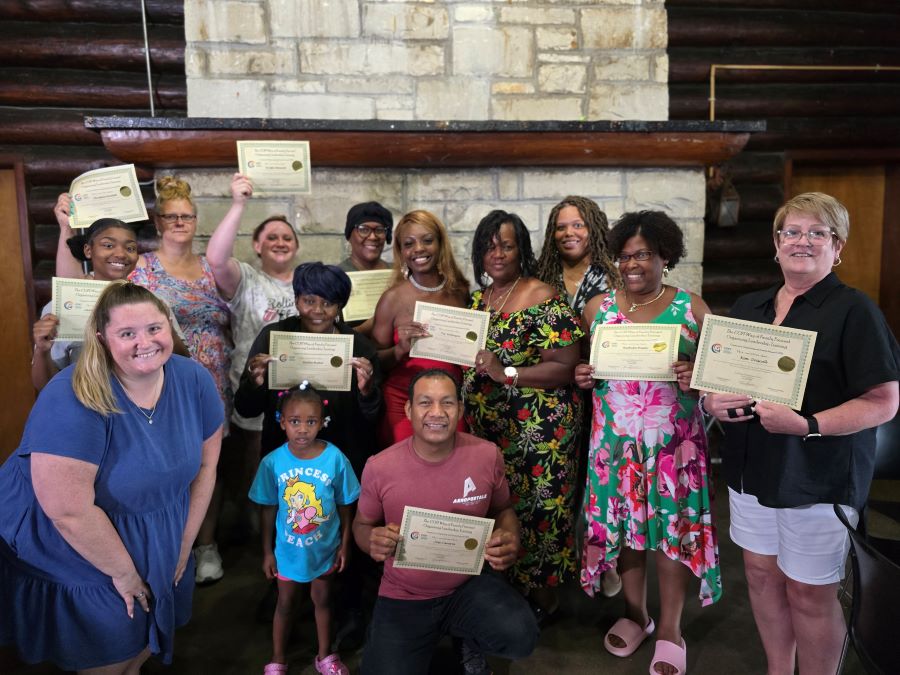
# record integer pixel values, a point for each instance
(636, 305)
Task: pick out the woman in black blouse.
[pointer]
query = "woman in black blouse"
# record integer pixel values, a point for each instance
(785, 469)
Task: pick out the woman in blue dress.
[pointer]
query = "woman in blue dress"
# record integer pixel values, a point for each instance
(105, 495)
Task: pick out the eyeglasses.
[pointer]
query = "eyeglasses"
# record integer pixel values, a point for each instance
(366, 230)
(171, 218)
(814, 237)
(640, 256)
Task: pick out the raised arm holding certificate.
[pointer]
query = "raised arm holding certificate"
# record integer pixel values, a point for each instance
(111, 192)
(457, 334)
(760, 360)
(368, 288)
(73, 302)
(635, 351)
(275, 167)
(442, 542)
(323, 360)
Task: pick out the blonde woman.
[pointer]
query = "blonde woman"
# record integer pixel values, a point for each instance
(105, 494)
(424, 270)
(185, 281)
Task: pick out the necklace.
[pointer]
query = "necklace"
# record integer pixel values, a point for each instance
(139, 408)
(496, 310)
(426, 289)
(635, 305)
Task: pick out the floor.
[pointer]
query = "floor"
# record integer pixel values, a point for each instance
(225, 637)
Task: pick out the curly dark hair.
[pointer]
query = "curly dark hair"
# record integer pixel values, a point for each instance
(661, 233)
(549, 266)
(308, 394)
(487, 229)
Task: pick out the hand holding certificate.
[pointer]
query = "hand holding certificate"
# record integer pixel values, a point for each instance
(368, 287)
(275, 167)
(763, 361)
(73, 302)
(457, 334)
(323, 360)
(112, 192)
(635, 351)
(442, 542)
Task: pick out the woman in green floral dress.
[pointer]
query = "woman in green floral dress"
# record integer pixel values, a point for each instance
(520, 396)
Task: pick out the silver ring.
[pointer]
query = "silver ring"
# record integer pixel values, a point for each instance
(140, 595)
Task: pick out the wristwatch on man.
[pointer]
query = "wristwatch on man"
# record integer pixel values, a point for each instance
(512, 376)
(813, 425)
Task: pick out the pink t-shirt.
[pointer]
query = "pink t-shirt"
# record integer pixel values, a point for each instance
(470, 481)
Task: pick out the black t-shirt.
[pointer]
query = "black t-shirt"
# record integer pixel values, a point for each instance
(855, 351)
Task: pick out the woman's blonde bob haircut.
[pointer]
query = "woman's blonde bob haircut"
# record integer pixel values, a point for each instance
(92, 378)
(824, 207)
(446, 263)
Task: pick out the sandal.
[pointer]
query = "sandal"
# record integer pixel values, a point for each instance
(273, 668)
(670, 653)
(630, 633)
(331, 665)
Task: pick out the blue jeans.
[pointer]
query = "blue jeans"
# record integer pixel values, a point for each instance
(485, 612)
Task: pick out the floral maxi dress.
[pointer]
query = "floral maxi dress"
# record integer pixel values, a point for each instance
(648, 483)
(536, 430)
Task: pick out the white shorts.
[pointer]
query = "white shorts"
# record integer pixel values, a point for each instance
(810, 543)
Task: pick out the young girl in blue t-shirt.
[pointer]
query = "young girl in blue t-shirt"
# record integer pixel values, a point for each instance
(305, 488)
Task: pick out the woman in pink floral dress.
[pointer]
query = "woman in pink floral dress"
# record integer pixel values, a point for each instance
(648, 485)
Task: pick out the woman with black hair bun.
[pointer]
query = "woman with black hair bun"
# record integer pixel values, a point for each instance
(520, 396)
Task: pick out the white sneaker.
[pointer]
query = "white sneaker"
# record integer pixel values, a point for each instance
(209, 564)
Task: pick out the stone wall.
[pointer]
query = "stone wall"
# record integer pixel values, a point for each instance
(432, 59)
(438, 59)
(460, 199)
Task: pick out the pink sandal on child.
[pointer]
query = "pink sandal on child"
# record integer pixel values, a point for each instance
(275, 668)
(672, 654)
(331, 665)
(630, 633)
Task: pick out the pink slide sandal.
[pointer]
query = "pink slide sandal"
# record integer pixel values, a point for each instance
(630, 633)
(669, 652)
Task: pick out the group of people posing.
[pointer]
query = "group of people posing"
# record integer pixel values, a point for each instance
(114, 483)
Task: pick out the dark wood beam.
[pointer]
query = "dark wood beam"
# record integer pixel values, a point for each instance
(107, 11)
(208, 142)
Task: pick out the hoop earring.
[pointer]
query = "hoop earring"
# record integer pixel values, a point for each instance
(404, 270)
(837, 262)
(665, 270)
(776, 258)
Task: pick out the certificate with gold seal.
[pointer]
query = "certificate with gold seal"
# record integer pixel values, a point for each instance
(442, 542)
(111, 192)
(275, 167)
(368, 287)
(73, 302)
(321, 359)
(457, 334)
(757, 359)
(635, 351)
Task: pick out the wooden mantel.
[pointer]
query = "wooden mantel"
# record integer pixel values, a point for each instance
(162, 142)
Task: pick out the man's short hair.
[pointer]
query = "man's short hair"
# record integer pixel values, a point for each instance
(434, 373)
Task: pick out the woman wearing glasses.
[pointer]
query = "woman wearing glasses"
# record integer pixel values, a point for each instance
(185, 281)
(368, 229)
(648, 485)
(785, 469)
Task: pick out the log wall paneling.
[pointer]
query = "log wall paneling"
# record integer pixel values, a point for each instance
(17, 395)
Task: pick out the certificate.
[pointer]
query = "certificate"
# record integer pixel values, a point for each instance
(757, 359)
(635, 351)
(112, 192)
(442, 542)
(456, 334)
(367, 289)
(73, 302)
(275, 167)
(322, 360)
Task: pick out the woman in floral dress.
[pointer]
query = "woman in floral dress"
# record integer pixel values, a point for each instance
(648, 484)
(520, 396)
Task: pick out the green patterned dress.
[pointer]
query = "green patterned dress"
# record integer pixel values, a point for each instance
(537, 430)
